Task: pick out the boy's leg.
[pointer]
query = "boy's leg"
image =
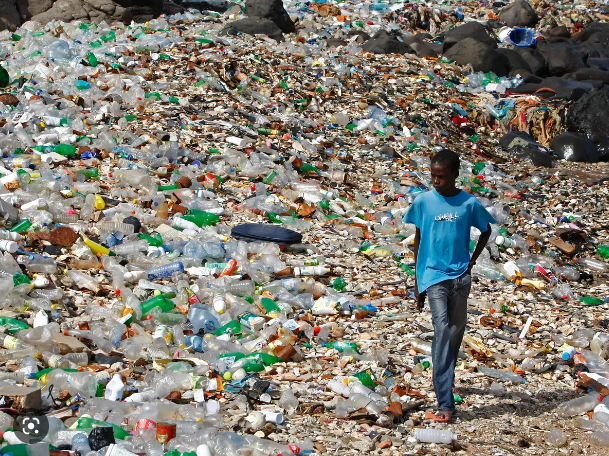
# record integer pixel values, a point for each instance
(442, 352)
(457, 312)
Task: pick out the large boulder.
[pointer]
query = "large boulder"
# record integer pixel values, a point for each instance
(574, 148)
(29, 8)
(521, 146)
(9, 17)
(473, 30)
(588, 117)
(480, 56)
(386, 43)
(272, 10)
(534, 59)
(516, 61)
(518, 14)
(254, 26)
(84, 10)
(560, 58)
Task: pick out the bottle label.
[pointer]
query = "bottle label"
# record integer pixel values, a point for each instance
(145, 423)
(54, 361)
(289, 284)
(10, 342)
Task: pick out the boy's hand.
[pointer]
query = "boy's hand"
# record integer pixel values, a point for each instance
(419, 298)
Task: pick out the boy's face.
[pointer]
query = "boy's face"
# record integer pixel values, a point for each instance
(443, 178)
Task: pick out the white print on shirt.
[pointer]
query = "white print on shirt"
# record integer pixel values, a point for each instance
(449, 217)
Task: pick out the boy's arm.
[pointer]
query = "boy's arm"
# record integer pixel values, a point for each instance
(482, 241)
(420, 299)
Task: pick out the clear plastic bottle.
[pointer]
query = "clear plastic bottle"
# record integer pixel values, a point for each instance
(434, 436)
(80, 444)
(506, 376)
(166, 270)
(579, 405)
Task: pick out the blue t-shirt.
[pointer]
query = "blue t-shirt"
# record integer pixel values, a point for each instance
(445, 224)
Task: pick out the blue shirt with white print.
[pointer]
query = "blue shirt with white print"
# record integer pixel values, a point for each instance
(445, 224)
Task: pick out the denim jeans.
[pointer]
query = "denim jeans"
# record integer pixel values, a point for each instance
(448, 304)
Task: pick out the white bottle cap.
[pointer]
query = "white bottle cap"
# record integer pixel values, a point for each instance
(9, 246)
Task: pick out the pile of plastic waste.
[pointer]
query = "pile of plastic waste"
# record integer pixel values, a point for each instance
(203, 252)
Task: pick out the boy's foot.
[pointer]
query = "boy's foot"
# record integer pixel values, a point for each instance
(443, 416)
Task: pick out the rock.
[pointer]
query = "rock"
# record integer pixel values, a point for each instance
(29, 8)
(254, 26)
(9, 17)
(526, 75)
(587, 74)
(473, 30)
(24, 398)
(335, 42)
(515, 59)
(84, 10)
(272, 10)
(384, 444)
(386, 43)
(560, 59)
(9, 99)
(520, 145)
(518, 14)
(62, 235)
(362, 36)
(574, 148)
(587, 117)
(480, 56)
(560, 31)
(68, 344)
(143, 10)
(534, 59)
(423, 50)
(601, 64)
(557, 88)
(170, 8)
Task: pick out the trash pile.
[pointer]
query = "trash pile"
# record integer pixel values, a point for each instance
(202, 245)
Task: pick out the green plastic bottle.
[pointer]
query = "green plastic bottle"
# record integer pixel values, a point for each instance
(12, 325)
(264, 358)
(366, 377)
(5, 79)
(232, 327)
(65, 149)
(162, 188)
(163, 301)
(603, 251)
(201, 218)
(22, 226)
(155, 240)
(339, 284)
(269, 305)
(89, 173)
(591, 301)
(92, 59)
(89, 423)
(341, 346)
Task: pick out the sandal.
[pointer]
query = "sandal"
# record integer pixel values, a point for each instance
(443, 416)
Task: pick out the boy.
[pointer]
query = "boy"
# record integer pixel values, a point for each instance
(443, 218)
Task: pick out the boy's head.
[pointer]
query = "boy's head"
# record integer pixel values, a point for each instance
(444, 171)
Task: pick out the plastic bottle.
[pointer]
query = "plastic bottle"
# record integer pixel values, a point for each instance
(579, 405)
(506, 376)
(434, 436)
(166, 270)
(80, 444)
(591, 263)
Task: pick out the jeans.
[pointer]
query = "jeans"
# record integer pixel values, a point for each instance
(448, 304)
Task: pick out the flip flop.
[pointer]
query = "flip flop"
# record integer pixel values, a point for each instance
(443, 416)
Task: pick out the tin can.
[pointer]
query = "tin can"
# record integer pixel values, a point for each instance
(286, 353)
(165, 432)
